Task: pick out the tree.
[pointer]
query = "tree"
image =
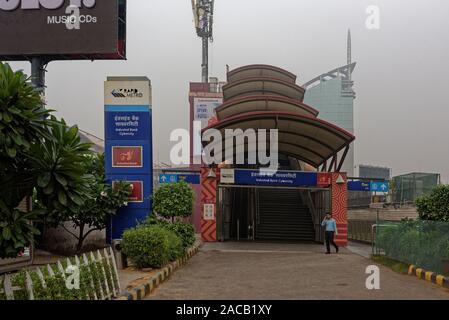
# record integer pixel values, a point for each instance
(435, 205)
(63, 182)
(104, 201)
(22, 125)
(173, 200)
(35, 153)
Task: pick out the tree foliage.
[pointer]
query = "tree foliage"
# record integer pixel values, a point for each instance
(21, 117)
(22, 125)
(435, 205)
(36, 153)
(173, 200)
(63, 183)
(102, 203)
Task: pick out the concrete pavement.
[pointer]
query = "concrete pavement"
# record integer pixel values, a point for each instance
(286, 271)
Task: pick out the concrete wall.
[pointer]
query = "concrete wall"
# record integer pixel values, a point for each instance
(369, 214)
(58, 240)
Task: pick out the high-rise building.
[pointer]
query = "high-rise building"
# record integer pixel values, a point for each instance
(332, 94)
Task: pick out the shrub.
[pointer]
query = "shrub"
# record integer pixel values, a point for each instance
(434, 206)
(151, 246)
(173, 200)
(422, 243)
(185, 231)
(92, 280)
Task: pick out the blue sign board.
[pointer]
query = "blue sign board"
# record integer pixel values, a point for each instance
(368, 186)
(379, 186)
(280, 178)
(128, 123)
(173, 178)
(168, 178)
(189, 178)
(358, 186)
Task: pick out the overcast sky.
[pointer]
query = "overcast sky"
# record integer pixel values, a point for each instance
(402, 109)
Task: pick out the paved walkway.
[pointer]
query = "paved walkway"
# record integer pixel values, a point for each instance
(285, 271)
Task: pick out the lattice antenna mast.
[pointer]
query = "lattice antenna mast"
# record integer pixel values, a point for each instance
(203, 14)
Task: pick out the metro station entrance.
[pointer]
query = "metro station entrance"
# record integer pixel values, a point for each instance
(266, 213)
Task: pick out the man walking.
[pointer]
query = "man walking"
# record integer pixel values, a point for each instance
(331, 230)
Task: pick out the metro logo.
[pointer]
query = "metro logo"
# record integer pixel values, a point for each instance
(10, 5)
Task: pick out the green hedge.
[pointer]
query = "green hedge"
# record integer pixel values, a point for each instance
(421, 243)
(185, 231)
(151, 246)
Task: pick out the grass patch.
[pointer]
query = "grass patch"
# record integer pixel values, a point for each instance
(394, 265)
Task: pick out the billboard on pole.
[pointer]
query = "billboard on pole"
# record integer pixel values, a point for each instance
(62, 29)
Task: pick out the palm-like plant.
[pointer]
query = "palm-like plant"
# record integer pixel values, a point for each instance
(22, 124)
(35, 153)
(58, 165)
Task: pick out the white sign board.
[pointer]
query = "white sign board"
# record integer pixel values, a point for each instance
(203, 111)
(209, 212)
(134, 91)
(227, 176)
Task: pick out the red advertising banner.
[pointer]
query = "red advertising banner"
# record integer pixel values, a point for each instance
(136, 191)
(323, 179)
(127, 157)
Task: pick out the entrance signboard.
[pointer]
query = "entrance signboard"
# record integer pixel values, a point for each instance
(279, 178)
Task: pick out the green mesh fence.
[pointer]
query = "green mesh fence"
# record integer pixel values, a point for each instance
(408, 187)
(421, 243)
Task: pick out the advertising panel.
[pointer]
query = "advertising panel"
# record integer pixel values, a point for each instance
(203, 111)
(62, 29)
(127, 157)
(136, 195)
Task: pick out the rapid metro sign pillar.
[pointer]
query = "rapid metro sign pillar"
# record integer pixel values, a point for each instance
(128, 148)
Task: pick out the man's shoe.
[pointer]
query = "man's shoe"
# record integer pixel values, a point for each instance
(328, 253)
(337, 249)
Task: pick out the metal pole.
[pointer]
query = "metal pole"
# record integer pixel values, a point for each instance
(38, 74)
(205, 64)
(238, 229)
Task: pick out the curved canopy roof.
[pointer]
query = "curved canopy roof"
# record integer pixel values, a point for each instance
(305, 138)
(260, 70)
(262, 85)
(238, 106)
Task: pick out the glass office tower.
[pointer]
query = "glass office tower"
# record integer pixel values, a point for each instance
(332, 94)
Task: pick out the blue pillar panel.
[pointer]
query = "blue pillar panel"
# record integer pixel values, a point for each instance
(128, 147)
(124, 219)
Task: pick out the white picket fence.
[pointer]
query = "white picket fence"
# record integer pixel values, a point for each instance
(107, 290)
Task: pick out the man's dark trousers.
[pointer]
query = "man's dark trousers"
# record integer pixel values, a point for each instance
(330, 240)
